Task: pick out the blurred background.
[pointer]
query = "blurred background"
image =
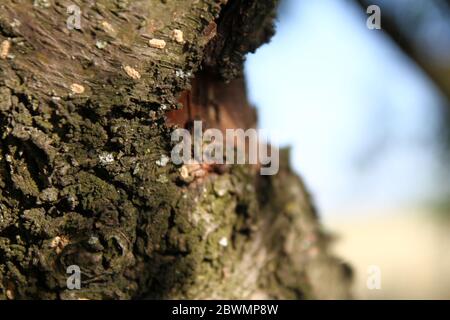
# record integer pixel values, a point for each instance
(367, 115)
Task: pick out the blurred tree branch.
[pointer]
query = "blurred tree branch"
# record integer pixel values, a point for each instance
(437, 71)
(407, 40)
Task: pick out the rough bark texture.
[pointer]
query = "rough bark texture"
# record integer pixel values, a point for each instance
(85, 115)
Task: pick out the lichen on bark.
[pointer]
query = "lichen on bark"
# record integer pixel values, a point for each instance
(84, 127)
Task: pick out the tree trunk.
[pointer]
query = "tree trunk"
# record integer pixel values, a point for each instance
(86, 116)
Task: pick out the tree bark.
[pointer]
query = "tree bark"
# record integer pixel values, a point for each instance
(86, 117)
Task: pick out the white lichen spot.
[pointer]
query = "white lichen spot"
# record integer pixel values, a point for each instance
(16, 23)
(223, 242)
(163, 161)
(184, 173)
(157, 43)
(108, 28)
(162, 178)
(49, 195)
(222, 186)
(42, 3)
(177, 35)
(93, 241)
(132, 73)
(77, 88)
(59, 243)
(106, 158)
(136, 169)
(4, 49)
(10, 294)
(191, 170)
(181, 74)
(101, 44)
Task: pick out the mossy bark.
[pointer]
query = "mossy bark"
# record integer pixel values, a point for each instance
(84, 121)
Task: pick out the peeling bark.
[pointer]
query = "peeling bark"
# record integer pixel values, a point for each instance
(85, 115)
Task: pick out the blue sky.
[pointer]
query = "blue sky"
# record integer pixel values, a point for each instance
(360, 117)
